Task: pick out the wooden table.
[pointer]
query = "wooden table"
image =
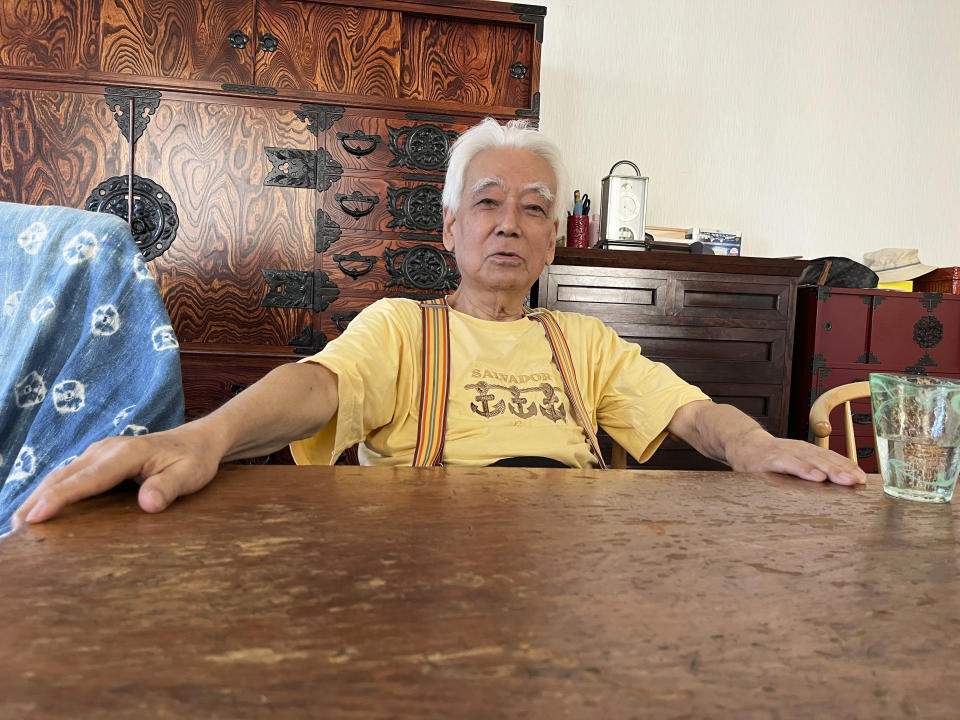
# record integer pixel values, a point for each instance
(355, 593)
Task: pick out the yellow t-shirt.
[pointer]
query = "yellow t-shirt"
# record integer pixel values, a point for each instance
(506, 395)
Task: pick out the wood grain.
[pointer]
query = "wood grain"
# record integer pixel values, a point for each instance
(465, 62)
(177, 39)
(330, 48)
(50, 35)
(478, 593)
(210, 159)
(56, 147)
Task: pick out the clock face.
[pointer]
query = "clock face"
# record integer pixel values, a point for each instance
(629, 206)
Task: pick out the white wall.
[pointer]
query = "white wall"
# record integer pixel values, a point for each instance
(813, 127)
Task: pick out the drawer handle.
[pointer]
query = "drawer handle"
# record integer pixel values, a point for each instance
(358, 143)
(368, 261)
(518, 70)
(363, 204)
(864, 452)
(862, 418)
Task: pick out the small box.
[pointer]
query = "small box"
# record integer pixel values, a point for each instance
(720, 243)
(902, 285)
(941, 280)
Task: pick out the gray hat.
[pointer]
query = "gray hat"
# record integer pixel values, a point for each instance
(896, 264)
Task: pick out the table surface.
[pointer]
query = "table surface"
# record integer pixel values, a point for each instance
(476, 593)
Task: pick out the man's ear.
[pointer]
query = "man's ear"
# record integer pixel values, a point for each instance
(449, 218)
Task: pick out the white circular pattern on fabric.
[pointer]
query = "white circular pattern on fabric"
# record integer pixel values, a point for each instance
(140, 268)
(105, 320)
(123, 415)
(69, 396)
(81, 248)
(31, 390)
(42, 309)
(24, 466)
(11, 303)
(134, 430)
(164, 339)
(32, 238)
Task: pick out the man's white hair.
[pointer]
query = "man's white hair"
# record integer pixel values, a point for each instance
(490, 134)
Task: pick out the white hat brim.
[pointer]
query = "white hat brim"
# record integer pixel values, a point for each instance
(908, 272)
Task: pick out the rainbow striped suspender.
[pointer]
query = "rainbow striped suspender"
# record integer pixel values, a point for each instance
(435, 381)
(434, 384)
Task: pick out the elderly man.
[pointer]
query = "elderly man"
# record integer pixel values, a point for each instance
(516, 385)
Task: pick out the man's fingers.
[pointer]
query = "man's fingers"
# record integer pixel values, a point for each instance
(159, 490)
(51, 497)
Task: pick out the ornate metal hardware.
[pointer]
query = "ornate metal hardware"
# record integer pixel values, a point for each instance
(255, 89)
(145, 104)
(308, 341)
(364, 203)
(531, 14)
(319, 118)
(368, 260)
(327, 231)
(299, 289)
(269, 42)
(297, 168)
(861, 418)
(931, 300)
(422, 267)
(828, 326)
(341, 320)
(534, 110)
(238, 39)
(518, 70)
(155, 221)
(428, 117)
(421, 147)
(423, 177)
(366, 143)
(928, 331)
(422, 237)
(864, 452)
(416, 208)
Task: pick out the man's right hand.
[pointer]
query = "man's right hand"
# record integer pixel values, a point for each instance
(166, 464)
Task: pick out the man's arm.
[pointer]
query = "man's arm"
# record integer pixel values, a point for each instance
(292, 402)
(726, 434)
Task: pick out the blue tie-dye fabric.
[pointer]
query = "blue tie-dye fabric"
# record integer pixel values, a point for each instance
(86, 346)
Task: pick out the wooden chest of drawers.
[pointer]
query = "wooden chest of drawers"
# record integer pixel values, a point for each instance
(843, 335)
(281, 160)
(724, 324)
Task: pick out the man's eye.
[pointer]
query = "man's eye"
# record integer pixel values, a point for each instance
(486, 201)
(539, 209)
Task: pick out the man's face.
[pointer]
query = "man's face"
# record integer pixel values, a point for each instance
(504, 231)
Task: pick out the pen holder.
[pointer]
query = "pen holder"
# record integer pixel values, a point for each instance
(578, 231)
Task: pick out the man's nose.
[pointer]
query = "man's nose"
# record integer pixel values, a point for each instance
(509, 221)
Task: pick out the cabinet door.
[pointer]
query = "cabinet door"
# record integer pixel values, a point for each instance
(50, 35)
(56, 147)
(178, 39)
(327, 48)
(211, 159)
(918, 333)
(467, 62)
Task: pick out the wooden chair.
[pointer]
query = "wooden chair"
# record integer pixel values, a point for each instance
(824, 405)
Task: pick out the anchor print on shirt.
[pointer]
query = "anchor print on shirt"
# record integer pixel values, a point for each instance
(487, 403)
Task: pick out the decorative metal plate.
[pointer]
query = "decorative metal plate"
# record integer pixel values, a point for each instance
(319, 118)
(422, 267)
(928, 331)
(309, 341)
(327, 231)
(416, 208)
(299, 289)
(269, 42)
(420, 147)
(145, 104)
(358, 143)
(293, 167)
(238, 39)
(518, 70)
(155, 221)
(368, 262)
(534, 110)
